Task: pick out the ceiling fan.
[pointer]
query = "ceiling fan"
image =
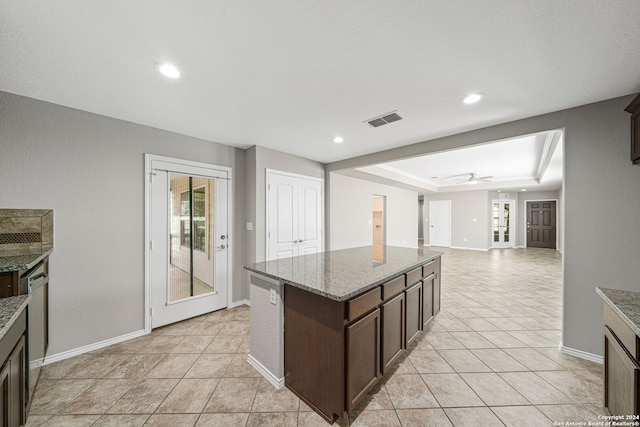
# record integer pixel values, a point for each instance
(471, 178)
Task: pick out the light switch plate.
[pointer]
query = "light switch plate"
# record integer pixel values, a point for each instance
(249, 226)
(272, 296)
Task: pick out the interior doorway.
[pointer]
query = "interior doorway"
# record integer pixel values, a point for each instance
(378, 224)
(541, 224)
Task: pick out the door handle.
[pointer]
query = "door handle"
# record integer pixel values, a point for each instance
(221, 247)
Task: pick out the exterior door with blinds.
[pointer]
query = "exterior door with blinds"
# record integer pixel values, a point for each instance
(541, 224)
(188, 253)
(502, 224)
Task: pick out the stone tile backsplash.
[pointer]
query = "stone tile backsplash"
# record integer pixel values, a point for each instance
(26, 230)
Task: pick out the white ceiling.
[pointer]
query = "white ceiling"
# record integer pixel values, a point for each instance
(531, 162)
(290, 75)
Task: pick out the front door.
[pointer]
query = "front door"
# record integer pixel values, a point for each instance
(502, 217)
(541, 224)
(188, 256)
(440, 223)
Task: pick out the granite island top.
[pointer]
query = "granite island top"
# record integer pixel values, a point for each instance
(342, 274)
(10, 309)
(14, 261)
(626, 304)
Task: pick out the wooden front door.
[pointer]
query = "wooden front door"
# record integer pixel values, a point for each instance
(541, 224)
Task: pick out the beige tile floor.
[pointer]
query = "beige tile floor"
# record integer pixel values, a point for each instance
(490, 358)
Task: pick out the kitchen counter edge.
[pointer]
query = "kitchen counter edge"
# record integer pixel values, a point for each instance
(625, 304)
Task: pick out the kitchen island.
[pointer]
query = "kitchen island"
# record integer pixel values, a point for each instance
(329, 325)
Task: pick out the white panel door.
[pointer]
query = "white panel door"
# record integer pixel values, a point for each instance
(294, 215)
(440, 223)
(283, 216)
(188, 232)
(309, 216)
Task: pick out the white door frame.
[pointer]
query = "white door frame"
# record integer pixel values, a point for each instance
(148, 174)
(430, 221)
(268, 173)
(513, 224)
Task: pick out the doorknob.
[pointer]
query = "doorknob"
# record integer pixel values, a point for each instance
(222, 247)
(222, 237)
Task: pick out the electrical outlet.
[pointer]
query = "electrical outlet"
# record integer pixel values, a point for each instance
(272, 296)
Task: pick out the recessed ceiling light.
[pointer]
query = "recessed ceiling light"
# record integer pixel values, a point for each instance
(338, 139)
(169, 70)
(524, 189)
(472, 98)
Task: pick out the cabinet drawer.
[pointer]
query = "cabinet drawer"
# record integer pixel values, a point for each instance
(414, 276)
(363, 303)
(624, 333)
(429, 268)
(392, 288)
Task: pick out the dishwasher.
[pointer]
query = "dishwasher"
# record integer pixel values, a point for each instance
(36, 281)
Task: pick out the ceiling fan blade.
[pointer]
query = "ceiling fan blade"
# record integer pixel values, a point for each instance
(485, 177)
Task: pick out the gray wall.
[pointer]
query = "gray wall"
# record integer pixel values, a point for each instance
(90, 170)
(264, 159)
(352, 213)
(601, 204)
(521, 213)
(466, 206)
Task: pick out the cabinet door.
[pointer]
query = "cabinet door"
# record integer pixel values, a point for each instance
(363, 357)
(12, 387)
(427, 300)
(392, 331)
(620, 377)
(413, 313)
(4, 394)
(436, 293)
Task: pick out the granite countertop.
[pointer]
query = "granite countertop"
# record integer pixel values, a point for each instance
(625, 303)
(10, 309)
(14, 261)
(342, 274)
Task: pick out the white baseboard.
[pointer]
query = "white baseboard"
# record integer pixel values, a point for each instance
(91, 347)
(276, 382)
(470, 249)
(239, 303)
(581, 354)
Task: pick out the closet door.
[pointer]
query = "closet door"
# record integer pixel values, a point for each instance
(282, 216)
(294, 215)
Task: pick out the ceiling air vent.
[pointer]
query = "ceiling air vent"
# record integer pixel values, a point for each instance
(384, 119)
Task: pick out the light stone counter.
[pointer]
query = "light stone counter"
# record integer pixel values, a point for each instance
(22, 261)
(625, 304)
(342, 274)
(10, 309)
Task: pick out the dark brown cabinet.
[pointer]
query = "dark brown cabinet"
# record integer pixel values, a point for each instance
(621, 366)
(13, 374)
(363, 357)
(392, 331)
(413, 313)
(634, 109)
(427, 300)
(335, 352)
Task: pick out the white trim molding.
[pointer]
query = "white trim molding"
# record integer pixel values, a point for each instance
(581, 354)
(469, 249)
(239, 303)
(92, 347)
(276, 382)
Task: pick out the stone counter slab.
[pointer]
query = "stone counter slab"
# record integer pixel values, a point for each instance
(22, 261)
(625, 304)
(342, 274)
(10, 309)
